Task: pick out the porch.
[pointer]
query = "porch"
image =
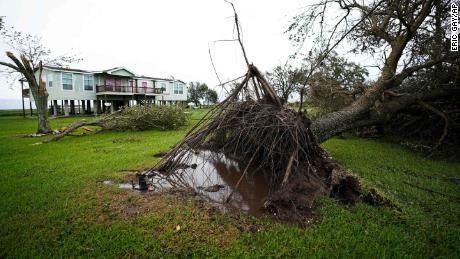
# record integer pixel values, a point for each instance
(127, 89)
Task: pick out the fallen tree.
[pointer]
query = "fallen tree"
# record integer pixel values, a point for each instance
(136, 118)
(253, 126)
(407, 38)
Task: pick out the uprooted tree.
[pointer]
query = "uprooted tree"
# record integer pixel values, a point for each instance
(408, 37)
(28, 55)
(253, 126)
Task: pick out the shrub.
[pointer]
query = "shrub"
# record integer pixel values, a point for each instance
(138, 118)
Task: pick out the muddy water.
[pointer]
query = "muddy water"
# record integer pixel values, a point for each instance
(225, 172)
(214, 179)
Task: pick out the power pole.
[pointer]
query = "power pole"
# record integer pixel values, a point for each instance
(22, 97)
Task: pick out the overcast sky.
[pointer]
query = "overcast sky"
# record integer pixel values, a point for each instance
(156, 38)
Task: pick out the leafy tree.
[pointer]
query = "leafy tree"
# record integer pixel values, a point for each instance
(336, 84)
(197, 92)
(32, 56)
(286, 80)
(211, 96)
(402, 35)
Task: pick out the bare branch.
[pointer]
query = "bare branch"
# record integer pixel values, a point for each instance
(10, 66)
(237, 24)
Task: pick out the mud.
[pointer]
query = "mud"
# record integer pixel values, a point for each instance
(213, 176)
(213, 180)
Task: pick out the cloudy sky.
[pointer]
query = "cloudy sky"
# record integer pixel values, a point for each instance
(159, 38)
(156, 38)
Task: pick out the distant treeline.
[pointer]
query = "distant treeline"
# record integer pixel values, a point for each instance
(16, 112)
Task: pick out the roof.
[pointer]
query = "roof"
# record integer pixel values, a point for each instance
(68, 69)
(154, 78)
(108, 71)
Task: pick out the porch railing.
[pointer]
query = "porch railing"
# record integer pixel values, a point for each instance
(128, 89)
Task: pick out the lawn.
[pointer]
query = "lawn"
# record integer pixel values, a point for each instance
(53, 206)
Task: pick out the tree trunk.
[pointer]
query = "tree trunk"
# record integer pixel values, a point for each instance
(352, 116)
(380, 112)
(36, 86)
(41, 104)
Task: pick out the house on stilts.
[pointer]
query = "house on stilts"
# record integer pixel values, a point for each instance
(76, 91)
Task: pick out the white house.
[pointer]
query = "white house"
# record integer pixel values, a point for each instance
(97, 91)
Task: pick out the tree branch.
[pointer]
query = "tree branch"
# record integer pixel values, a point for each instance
(410, 70)
(10, 66)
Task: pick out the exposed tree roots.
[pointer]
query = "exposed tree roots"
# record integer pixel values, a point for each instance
(252, 126)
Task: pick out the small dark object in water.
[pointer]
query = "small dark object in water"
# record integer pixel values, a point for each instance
(160, 154)
(142, 183)
(212, 188)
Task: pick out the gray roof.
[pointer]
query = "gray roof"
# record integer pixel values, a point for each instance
(67, 69)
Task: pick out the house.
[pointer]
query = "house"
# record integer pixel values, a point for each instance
(83, 91)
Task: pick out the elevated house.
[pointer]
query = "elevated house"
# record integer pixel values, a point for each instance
(74, 91)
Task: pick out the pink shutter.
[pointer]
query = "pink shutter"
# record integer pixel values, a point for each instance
(109, 84)
(118, 85)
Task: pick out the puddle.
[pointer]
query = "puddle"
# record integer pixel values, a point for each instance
(214, 179)
(120, 185)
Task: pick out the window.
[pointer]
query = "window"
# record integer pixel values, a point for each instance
(49, 78)
(178, 88)
(144, 85)
(163, 86)
(67, 81)
(88, 82)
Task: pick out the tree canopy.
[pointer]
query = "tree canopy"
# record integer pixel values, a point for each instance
(286, 80)
(198, 92)
(405, 37)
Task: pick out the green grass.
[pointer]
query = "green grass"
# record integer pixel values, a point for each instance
(52, 206)
(15, 112)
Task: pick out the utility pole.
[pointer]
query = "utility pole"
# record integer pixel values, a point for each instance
(22, 97)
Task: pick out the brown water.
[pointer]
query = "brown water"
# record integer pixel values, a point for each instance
(215, 178)
(250, 194)
(221, 171)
